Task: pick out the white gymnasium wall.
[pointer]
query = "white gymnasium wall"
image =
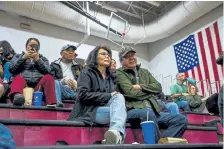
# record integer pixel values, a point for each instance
(161, 53)
(52, 38)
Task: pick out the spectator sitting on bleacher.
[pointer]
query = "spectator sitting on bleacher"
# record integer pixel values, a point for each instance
(196, 102)
(219, 61)
(172, 106)
(2, 88)
(66, 72)
(140, 88)
(96, 100)
(179, 91)
(7, 53)
(113, 67)
(31, 69)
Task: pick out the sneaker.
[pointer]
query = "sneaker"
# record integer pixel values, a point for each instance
(51, 105)
(60, 105)
(112, 137)
(18, 99)
(5, 81)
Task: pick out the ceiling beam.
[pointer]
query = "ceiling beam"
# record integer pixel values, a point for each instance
(148, 10)
(157, 4)
(133, 5)
(89, 16)
(138, 7)
(111, 8)
(134, 11)
(129, 6)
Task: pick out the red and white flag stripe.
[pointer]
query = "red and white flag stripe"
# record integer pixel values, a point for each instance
(208, 73)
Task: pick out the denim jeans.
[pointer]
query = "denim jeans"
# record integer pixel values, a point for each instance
(184, 105)
(63, 92)
(7, 75)
(114, 114)
(173, 107)
(174, 124)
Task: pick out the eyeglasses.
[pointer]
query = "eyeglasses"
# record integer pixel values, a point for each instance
(104, 54)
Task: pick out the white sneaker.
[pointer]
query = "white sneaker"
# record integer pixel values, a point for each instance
(112, 137)
(51, 106)
(5, 81)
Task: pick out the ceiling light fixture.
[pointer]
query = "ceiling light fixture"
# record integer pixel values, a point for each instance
(109, 8)
(157, 4)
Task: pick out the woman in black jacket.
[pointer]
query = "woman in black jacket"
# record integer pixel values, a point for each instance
(97, 101)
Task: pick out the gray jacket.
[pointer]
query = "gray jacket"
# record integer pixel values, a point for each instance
(31, 71)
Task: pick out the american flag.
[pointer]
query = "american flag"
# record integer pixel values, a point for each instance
(196, 57)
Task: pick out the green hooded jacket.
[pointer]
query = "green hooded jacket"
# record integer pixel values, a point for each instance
(136, 98)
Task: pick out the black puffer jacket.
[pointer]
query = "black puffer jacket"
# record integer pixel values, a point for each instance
(31, 71)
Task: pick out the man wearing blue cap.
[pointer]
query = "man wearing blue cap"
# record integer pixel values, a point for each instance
(66, 71)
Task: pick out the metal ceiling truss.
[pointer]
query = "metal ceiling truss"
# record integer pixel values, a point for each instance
(139, 8)
(135, 9)
(89, 16)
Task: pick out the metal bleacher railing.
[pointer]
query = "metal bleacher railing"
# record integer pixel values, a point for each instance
(209, 88)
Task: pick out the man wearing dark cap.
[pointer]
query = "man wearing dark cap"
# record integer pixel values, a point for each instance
(66, 71)
(140, 89)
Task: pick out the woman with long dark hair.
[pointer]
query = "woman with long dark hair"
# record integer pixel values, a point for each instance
(97, 101)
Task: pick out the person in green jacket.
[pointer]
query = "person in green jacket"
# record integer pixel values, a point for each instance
(196, 101)
(140, 88)
(179, 91)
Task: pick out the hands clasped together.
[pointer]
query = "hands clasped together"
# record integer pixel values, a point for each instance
(31, 53)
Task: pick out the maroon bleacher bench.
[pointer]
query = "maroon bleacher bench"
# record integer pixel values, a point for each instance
(48, 132)
(130, 146)
(9, 111)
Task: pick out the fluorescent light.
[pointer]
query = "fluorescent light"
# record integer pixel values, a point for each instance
(153, 3)
(109, 8)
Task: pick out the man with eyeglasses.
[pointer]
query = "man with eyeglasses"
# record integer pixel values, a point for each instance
(66, 72)
(140, 89)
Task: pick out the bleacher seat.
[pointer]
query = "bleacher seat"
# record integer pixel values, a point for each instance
(195, 118)
(34, 126)
(68, 103)
(48, 132)
(130, 146)
(9, 111)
